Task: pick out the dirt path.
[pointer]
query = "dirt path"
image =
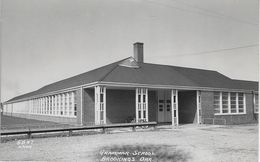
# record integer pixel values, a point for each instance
(204, 143)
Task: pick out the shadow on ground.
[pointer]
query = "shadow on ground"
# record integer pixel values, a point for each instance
(151, 153)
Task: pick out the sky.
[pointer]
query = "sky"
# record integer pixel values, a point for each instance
(44, 41)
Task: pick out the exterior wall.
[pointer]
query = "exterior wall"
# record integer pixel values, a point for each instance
(208, 111)
(79, 103)
(35, 109)
(120, 106)
(187, 107)
(152, 105)
(89, 107)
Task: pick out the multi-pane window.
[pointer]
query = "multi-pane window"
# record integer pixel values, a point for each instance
(229, 103)
(217, 102)
(102, 104)
(225, 102)
(139, 102)
(241, 102)
(51, 105)
(75, 104)
(63, 104)
(256, 103)
(233, 102)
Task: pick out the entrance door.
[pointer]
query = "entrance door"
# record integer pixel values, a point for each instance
(164, 106)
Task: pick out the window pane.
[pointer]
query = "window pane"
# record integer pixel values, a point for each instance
(101, 115)
(240, 102)
(256, 103)
(233, 102)
(101, 97)
(224, 102)
(216, 102)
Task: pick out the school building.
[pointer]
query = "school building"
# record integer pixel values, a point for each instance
(131, 89)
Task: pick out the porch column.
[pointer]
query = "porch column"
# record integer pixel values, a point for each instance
(198, 107)
(100, 105)
(81, 105)
(175, 108)
(141, 107)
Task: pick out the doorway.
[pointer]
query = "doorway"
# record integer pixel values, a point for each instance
(164, 106)
(187, 107)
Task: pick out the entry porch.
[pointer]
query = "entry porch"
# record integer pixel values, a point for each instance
(109, 105)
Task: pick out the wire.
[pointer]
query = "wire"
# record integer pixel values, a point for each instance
(216, 14)
(212, 51)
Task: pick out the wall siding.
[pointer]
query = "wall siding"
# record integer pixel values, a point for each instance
(79, 103)
(89, 107)
(208, 111)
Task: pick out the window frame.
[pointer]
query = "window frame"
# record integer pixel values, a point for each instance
(256, 96)
(220, 108)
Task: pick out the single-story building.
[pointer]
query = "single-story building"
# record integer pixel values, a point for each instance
(132, 90)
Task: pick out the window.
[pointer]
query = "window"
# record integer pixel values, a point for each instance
(217, 102)
(256, 102)
(229, 103)
(241, 102)
(75, 109)
(224, 102)
(233, 102)
(51, 105)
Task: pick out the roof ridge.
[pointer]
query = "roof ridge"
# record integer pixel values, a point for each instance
(104, 77)
(180, 67)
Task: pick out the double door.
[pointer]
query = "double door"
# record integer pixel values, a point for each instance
(164, 106)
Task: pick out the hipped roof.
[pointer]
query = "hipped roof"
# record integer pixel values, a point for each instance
(129, 71)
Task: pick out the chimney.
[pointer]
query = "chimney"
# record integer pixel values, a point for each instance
(138, 52)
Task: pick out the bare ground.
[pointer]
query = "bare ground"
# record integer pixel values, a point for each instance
(187, 143)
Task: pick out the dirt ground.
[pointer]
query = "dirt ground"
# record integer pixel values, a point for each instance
(187, 143)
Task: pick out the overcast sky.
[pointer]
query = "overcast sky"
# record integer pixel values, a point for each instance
(43, 41)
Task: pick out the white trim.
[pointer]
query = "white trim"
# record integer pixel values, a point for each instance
(237, 109)
(129, 66)
(229, 104)
(81, 105)
(230, 114)
(142, 105)
(172, 106)
(198, 97)
(136, 105)
(147, 107)
(175, 107)
(133, 85)
(220, 105)
(104, 106)
(55, 92)
(98, 91)
(137, 85)
(256, 112)
(244, 95)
